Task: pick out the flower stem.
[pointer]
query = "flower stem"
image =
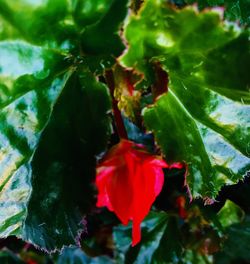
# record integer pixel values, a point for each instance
(117, 113)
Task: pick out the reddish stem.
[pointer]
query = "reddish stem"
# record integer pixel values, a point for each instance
(161, 81)
(117, 113)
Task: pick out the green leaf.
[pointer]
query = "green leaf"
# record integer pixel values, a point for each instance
(47, 151)
(234, 9)
(101, 40)
(40, 22)
(159, 244)
(204, 118)
(230, 214)
(236, 247)
(26, 101)
(87, 12)
(88, 31)
(64, 163)
(102, 37)
(7, 31)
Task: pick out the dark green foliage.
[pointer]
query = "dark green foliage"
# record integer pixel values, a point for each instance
(187, 74)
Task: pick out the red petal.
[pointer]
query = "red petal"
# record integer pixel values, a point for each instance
(136, 233)
(103, 198)
(128, 181)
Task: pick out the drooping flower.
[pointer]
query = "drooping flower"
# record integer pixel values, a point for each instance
(128, 181)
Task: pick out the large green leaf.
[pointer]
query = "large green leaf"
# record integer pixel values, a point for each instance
(49, 120)
(204, 118)
(27, 95)
(64, 163)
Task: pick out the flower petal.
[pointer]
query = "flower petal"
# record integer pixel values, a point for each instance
(128, 181)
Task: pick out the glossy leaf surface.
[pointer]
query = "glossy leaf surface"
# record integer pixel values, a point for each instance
(46, 150)
(55, 123)
(28, 93)
(204, 118)
(68, 168)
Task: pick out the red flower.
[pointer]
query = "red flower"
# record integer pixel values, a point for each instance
(128, 181)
